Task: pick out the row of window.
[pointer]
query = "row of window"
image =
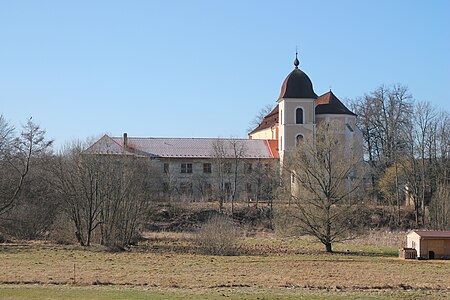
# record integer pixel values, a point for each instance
(186, 168)
(206, 188)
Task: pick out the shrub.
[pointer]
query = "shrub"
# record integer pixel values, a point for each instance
(285, 222)
(62, 231)
(3, 238)
(218, 236)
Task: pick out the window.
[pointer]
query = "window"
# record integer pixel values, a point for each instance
(281, 142)
(207, 168)
(292, 177)
(186, 168)
(227, 187)
(281, 117)
(299, 116)
(248, 168)
(166, 168)
(349, 127)
(249, 188)
(227, 167)
(299, 139)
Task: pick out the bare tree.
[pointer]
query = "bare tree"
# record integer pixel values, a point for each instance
(106, 192)
(383, 116)
(421, 135)
(437, 170)
(16, 158)
(238, 151)
(75, 179)
(6, 138)
(220, 172)
(228, 156)
(36, 208)
(327, 174)
(128, 189)
(264, 176)
(406, 146)
(391, 184)
(259, 117)
(424, 118)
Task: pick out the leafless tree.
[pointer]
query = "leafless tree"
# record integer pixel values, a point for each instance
(424, 118)
(220, 172)
(238, 151)
(421, 135)
(128, 189)
(259, 117)
(440, 202)
(228, 156)
(106, 192)
(383, 116)
(327, 175)
(407, 147)
(16, 158)
(264, 176)
(36, 208)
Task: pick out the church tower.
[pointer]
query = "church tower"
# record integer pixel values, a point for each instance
(296, 105)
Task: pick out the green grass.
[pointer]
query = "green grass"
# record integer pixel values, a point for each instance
(107, 292)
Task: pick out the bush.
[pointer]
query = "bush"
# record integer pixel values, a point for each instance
(3, 238)
(218, 236)
(62, 231)
(285, 222)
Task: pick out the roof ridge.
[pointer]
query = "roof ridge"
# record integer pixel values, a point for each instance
(181, 138)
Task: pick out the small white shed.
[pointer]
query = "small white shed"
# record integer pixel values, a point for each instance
(430, 244)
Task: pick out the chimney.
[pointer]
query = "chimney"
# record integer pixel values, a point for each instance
(125, 140)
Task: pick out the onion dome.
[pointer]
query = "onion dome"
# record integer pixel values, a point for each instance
(297, 84)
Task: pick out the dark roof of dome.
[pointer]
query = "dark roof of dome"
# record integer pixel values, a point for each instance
(328, 103)
(297, 85)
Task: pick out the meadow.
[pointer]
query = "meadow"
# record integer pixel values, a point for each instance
(168, 266)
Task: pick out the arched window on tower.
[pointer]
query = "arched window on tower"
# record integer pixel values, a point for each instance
(298, 139)
(299, 116)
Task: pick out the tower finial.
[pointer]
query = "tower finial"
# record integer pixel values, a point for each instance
(296, 62)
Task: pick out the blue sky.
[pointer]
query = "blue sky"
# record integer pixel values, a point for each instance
(205, 68)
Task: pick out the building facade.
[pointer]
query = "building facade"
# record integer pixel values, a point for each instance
(430, 244)
(300, 110)
(201, 168)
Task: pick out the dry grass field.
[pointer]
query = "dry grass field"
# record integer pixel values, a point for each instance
(168, 266)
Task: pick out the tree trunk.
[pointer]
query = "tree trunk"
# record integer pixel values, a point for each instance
(328, 247)
(79, 238)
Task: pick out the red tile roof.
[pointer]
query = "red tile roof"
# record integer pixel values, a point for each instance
(269, 121)
(328, 103)
(273, 147)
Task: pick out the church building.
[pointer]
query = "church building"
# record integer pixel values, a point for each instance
(300, 110)
(197, 166)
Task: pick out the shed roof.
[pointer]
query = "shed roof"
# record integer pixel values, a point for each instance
(432, 234)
